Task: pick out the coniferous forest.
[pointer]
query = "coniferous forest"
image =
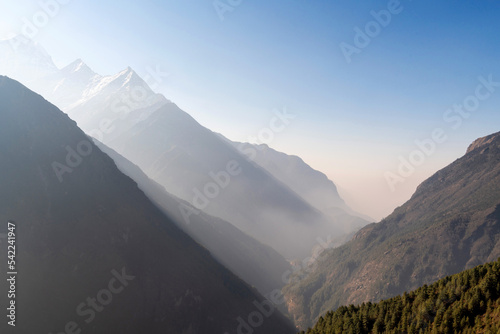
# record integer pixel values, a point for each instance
(467, 302)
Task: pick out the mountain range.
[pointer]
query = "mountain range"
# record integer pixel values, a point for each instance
(205, 234)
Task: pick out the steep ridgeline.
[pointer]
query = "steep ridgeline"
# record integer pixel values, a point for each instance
(254, 262)
(107, 105)
(93, 253)
(451, 223)
(195, 164)
(468, 302)
(311, 184)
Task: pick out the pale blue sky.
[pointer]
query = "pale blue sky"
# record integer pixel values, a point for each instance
(353, 119)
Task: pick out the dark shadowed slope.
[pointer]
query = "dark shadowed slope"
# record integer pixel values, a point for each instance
(451, 223)
(76, 236)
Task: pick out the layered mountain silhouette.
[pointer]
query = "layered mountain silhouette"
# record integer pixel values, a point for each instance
(195, 164)
(451, 223)
(190, 161)
(254, 262)
(312, 185)
(93, 252)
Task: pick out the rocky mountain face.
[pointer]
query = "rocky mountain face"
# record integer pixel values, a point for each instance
(92, 251)
(451, 223)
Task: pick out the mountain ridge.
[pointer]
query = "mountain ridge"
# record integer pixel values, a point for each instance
(451, 223)
(312, 185)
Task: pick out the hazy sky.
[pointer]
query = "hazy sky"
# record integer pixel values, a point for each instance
(354, 119)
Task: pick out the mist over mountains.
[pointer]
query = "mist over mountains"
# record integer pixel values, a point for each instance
(312, 185)
(193, 163)
(256, 263)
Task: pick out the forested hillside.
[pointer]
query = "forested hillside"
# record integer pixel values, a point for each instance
(467, 302)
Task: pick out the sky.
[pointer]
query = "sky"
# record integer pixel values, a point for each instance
(363, 80)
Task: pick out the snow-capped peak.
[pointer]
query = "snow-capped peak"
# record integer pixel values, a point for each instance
(77, 66)
(128, 78)
(75, 85)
